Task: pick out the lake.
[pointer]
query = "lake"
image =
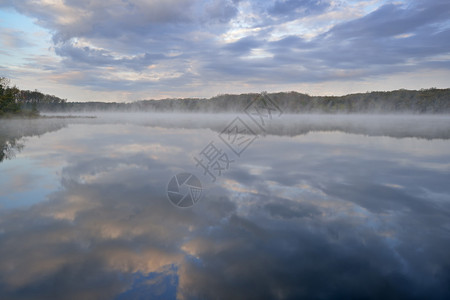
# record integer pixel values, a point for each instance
(306, 206)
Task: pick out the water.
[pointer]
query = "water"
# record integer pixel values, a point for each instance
(318, 207)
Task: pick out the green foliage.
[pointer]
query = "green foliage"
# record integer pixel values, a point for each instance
(8, 97)
(33, 101)
(24, 102)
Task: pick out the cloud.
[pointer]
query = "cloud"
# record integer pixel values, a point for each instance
(391, 36)
(15, 39)
(188, 45)
(298, 8)
(76, 56)
(243, 46)
(220, 10)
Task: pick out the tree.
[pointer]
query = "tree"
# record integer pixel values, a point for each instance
(8, 96)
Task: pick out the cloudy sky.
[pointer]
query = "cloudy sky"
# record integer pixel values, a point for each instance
(124, 50)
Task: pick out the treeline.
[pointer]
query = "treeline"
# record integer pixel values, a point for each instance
(34, 101)
(408, 101)
(14, 101)
(30, 97)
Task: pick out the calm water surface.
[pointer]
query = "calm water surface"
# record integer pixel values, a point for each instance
(318, 207)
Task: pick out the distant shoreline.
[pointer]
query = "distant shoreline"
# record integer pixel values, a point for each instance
(429, 101)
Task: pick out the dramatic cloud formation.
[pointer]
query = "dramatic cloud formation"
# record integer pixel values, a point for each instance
(141, 49)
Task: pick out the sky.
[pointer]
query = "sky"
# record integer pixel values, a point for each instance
(127, 50)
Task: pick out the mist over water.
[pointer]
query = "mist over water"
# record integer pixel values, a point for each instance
(317, 206)
(395, 125)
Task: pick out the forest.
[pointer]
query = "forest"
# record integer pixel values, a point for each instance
(431, 101)
(400, 101)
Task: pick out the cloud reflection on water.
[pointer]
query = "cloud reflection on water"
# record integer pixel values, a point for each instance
(316, 216)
